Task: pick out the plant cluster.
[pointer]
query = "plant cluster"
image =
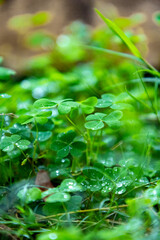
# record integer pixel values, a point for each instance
(85, 121)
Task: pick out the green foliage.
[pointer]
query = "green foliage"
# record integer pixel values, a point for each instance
(6, 74)
(156, 18)
(29, 195)
(23, 22)
(96, 121)
(79, 136)
(9, 143)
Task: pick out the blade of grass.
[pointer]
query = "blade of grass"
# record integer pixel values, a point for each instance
(121, 34)
(125, 39)
(150, 100)
(155, 73)
(108, 51)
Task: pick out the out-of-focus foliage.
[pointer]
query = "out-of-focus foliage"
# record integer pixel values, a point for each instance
(22, 23)
(156, 18)
(86, 112)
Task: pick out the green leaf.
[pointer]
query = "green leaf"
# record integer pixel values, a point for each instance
(7, 143)
(70, 185)
(43, 113)
(22, 23)
(153, 194)
(113, 116)
(49, 192)
(41, 18)
(8, 148)
(114, 102)
(58, 197)
(94, 125)
(96, 116)
(106, 101)
(63, 152)
(6, 73)
(63, 140)
(23, 144)
(121, 34)
(15, 138)
(121, 106)
(74, 203)
(29, 195)
(44, 103)
(40, 116)
(42, 136)
(65, 143)
(112, 120)
(67, 137)
(88, 105)
(65, 107)
(95, 121)
(77, 148)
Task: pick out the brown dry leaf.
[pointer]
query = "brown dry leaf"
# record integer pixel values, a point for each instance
(43, 179)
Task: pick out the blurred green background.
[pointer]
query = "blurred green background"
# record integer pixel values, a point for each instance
(62, 12)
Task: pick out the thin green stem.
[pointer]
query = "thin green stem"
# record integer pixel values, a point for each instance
(156, 96)
(35, 141)
(145, 89)
(99, 143)
(84, 211)
(76, 128)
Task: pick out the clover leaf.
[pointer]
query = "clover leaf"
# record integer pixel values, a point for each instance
(114, 102)
(88, 105)
(58, 197)
(65, 106)
(7, 144)
(70, 185)
(44, 103)
(40, 116)
(29, 195)
(42, 136)
(61, 193)
(112, 120)
(96, 121)
(65, 144)
(106, 101)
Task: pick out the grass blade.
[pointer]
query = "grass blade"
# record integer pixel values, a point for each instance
(121, 35)
(120, 54)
